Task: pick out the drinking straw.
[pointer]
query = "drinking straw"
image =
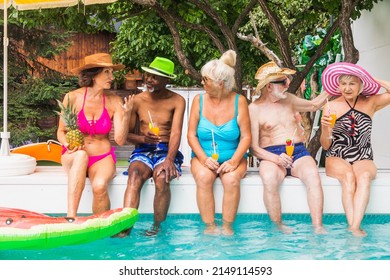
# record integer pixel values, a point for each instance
(292, 138)
(150, 117)
(327, 102)
(212, 135)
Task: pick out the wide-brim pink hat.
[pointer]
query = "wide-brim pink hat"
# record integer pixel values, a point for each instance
(97, 60)
(330, 78)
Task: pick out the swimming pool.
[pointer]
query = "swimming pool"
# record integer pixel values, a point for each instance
(256, 238)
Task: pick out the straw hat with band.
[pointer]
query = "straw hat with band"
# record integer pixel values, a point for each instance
(97, 60)
(330, 78)
(161, 67)
(270, 72)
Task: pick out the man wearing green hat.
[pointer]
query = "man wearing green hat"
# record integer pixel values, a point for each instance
(155, 129)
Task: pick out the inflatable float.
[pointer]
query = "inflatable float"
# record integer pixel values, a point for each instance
(48, 151)
(22, 229)
(23, 160)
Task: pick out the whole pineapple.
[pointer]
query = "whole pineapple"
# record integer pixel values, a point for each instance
(74, 136)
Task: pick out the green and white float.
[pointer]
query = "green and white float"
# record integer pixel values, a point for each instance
(22, 229)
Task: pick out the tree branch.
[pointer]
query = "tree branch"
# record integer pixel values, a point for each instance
(145, 2)
(202, 28)
(297, 21)
(280, 33)
(254, 26)
(242, 16)
(257, 43)
(206, 7)
(227, 33)
(300, 75)
(177, 41)
(350, 51)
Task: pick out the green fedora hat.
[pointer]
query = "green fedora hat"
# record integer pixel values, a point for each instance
(161, 67)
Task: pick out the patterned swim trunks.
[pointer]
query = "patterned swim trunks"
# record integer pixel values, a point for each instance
(151, 156)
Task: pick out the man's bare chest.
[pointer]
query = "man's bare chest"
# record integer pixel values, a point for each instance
(275, 115)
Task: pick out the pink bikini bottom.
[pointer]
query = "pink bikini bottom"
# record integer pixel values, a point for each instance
(93, 159)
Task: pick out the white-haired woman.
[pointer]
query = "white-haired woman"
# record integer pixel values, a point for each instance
(219, 124)
(349, 156)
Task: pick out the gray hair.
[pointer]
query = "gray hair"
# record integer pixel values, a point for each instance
(222, 69)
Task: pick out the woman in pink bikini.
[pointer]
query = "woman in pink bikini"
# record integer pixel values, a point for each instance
(96, 111)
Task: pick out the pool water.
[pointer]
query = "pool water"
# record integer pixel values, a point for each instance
(256, 238)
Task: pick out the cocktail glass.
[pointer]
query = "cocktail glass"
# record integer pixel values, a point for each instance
(214, 151)
(333, 115)
(155, 129)
(290, 149)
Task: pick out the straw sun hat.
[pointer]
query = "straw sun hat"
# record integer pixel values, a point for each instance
(161, 66)
(330, 78)
(97, 60)
(270, 72)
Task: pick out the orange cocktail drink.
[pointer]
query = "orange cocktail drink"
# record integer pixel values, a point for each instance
(154, 128)
(333, 121)
(289, 147)
(290, 150)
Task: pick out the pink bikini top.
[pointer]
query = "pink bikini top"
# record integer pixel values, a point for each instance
(101, 126)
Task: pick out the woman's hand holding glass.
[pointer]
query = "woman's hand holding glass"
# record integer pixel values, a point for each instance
(333, 116)
(329, 120)
(211, 164)
(212, 161)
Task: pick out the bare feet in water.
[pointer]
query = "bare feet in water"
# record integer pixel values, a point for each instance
(212, 229)
(283, 228)
(319, 229)
(153, 231)
(358, 232)
(227, 228)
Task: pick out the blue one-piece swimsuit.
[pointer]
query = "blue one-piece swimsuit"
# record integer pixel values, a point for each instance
(227, 135)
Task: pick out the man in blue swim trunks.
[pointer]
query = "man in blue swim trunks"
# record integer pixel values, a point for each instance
(273, 121)
(156, 153)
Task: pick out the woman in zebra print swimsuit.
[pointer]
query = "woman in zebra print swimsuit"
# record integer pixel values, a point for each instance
(349, 156)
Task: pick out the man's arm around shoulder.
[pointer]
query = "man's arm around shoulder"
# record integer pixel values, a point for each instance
(303, 105)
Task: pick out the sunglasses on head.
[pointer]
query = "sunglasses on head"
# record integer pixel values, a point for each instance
(352, 130)
(282, 82)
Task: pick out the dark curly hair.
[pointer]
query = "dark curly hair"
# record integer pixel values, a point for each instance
(86, 76)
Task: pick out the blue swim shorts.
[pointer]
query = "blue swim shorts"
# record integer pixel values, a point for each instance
(299, 151)
(148, 154)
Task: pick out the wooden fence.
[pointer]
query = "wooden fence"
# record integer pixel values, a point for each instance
(82, 45)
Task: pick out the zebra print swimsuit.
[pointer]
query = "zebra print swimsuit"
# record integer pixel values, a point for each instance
(352, 137)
